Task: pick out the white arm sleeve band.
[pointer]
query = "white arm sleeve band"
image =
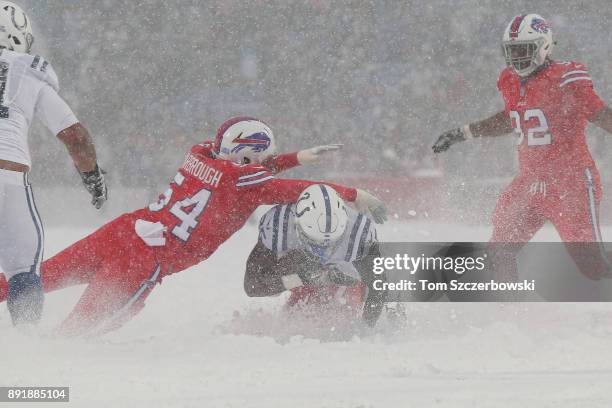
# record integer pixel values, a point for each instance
(53, 111)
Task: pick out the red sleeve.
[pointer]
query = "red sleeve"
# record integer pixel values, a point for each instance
(286, 191)
(281, 162)
(587, 99)
(576, 80)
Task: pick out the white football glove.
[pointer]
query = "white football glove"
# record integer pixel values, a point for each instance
(314, 154)
(367, 203)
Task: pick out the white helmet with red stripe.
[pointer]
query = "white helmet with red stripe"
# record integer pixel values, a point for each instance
(320, 217)
(243, 140)
(527, 43)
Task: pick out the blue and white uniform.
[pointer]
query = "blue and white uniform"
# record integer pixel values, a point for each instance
(277, 232)
(28, 89)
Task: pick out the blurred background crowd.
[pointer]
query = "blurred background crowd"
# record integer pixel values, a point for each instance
(150, 78)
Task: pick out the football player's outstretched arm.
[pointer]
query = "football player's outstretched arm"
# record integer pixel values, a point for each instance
(279, 191)
(287, 161)
(83, 153)
(287, 191)
(496, 125)
(603, 119)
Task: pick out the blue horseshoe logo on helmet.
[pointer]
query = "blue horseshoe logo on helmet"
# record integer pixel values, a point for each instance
(17, 26)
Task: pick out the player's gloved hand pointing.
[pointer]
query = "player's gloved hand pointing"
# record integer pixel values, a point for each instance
(95, 184)
(449, 138)
(367, 203)
(316, 153)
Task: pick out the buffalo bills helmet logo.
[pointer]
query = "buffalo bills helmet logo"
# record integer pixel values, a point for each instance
(540, 26)
(258, 142)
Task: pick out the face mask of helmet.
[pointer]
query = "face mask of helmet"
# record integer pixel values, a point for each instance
(520, 55)
(322, 250)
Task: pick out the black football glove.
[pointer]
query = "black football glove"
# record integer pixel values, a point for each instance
(337, 277)
(95, 184)
(447, 139)
(325, 275)
(306, 266)
(317, 277)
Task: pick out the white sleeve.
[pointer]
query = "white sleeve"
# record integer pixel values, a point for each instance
(41, 70)
(53, 111)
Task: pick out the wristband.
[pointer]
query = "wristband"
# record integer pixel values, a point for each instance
(86, 174)
(467, 132)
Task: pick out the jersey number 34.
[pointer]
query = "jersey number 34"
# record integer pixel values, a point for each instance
(189, 220)
(538, 135)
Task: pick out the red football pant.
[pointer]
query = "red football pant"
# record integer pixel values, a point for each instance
(570, 201)
(121, 271)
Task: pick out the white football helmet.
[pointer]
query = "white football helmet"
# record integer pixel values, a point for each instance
(243, 140)
(15, 28)
(527, 43)
(320, 217)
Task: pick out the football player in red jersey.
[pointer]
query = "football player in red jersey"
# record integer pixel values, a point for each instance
(211, 197)
(548, 104)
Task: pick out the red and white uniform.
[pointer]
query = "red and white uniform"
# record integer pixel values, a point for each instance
(206, 203)
(558, 180)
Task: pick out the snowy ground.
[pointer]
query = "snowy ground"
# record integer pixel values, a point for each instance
(200, 342)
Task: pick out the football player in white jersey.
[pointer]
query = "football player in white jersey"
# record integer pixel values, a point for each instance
(28, 89)
(316, 243)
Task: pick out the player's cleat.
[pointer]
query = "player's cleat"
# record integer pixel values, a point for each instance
(94, 183)
(25, 298)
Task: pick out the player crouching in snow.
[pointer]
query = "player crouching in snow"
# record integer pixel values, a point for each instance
(211, 197)
(322, 251)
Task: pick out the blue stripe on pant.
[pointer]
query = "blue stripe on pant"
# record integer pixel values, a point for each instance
(25, 297)
(38, 258)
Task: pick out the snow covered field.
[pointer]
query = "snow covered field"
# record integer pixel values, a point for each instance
(200, 342)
